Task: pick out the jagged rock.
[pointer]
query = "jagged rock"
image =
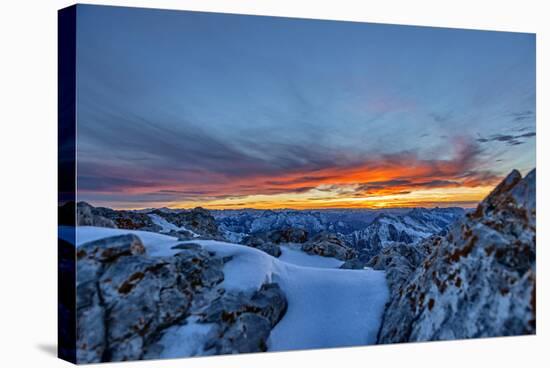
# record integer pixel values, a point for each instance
(248, 334)
(477, 281)
(106, 217)
(86, 217)
(287, 235)
(108, 249)
(269, 241)
(399, 260)
(244, 320)
(329, 245)
(263, 245)
(270, 248)
(125, 298)
(270, 302)
(198, 220)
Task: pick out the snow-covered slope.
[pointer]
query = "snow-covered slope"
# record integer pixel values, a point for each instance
(291, 253)
(327, 307)
(364, 230)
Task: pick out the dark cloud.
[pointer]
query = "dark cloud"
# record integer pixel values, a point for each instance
(117, 147)
(102, 183)
(510, 139)
(441, 117)
(395, 185)
(300, 180)
(521, 116)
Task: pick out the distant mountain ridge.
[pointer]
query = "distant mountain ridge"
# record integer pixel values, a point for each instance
(359, 227)
(409, 228)
(366, 231)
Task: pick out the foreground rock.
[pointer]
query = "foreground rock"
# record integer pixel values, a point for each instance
(329, 245)
(126, 299)
(477, 281)
(243, 320)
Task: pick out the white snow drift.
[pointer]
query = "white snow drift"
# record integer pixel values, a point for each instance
(327, 306)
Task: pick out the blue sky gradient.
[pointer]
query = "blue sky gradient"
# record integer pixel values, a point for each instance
(175, 108)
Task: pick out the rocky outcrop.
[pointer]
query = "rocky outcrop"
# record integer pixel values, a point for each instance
(263, 245)
(269, 241)
(126, 299)
(198, 220)
(476, 281)
(287, 235)
(329, 245)
(399, 260)
(244, 320)
(194, 223)
(88, 215)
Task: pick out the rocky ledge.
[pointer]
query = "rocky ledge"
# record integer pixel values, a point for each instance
(476, 281)
(329, 245)
(127, 299)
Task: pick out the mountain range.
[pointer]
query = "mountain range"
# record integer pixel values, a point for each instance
(203, 282)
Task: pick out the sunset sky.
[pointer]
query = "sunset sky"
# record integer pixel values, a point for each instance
(182, 109)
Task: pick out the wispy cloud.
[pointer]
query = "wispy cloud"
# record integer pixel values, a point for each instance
(521, 116)
(510, 139)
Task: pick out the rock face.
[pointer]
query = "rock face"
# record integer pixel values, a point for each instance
(88, 215)
(125, 299)
(269, 241)
(400, 261)
(329, 245)
(476, 281)
(287, 235)
(263, 245)
(244, 320)
(198, 220)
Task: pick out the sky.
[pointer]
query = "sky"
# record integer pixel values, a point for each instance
(184, 109)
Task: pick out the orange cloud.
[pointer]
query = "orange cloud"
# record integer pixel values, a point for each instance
(398, 180)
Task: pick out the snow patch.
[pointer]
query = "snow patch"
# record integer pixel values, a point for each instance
(294, 255)
(185, 340)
